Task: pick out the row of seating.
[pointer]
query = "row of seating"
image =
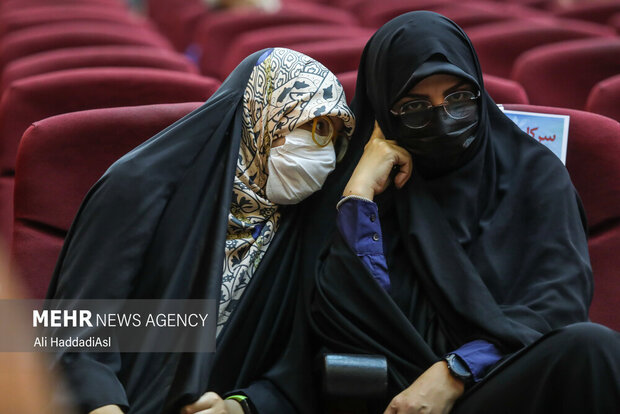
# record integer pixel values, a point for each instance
(66, 61)
(63, 153)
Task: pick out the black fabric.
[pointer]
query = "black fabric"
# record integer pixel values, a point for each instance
(494, 249)
(153, 227)
(574, 369)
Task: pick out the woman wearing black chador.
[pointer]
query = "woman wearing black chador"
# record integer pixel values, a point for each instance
(461, 251)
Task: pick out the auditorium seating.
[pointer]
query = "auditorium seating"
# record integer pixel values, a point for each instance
(337, 55)
(98, 56)
(61, 42)
(575, 67)
(504, 91)
(10, 5)
(38, 97)
(25, 18)
(499, 44)
(286, 36)
(597, 12)
(57, 36)
(604, 98)
(465, 14)
(218, 30)
(592, 161)
(59, 159)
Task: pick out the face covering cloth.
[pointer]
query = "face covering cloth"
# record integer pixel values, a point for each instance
(161, 222)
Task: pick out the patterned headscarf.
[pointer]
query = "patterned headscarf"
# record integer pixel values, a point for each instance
(286, 89)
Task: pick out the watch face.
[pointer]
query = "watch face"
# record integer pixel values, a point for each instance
(458, 367)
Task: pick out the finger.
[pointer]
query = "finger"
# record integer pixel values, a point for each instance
(405, 164)
(376, 132)
(206, 401)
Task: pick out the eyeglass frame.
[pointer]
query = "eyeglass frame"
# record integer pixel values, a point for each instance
(315, 121)
(432, 107)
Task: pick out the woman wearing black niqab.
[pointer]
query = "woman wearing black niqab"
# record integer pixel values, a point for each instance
(199, 212)
(471, 273)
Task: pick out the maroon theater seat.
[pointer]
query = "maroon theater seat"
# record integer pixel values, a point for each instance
(58, 36)
(177, 20)
(59, 159)
(24, 18)
(597, 12)
(604, 99)
(8, 5)
(465, 14)
(592, 161)
(286, 36)
(348, 81)
(498, 45)
(218, 31)
(98, 56)
(337, 55)
(504, 91)
(562, 74)
(614, 22)
(38, 97)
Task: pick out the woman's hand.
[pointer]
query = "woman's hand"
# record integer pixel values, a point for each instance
(211, 403)
(371, 176)
(434, 392)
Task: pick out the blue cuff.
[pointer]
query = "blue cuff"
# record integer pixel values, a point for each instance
(358, 223)
(479, 356)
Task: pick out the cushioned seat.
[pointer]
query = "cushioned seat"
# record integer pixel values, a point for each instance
(217, 31)
(38, 97)
(498, 45)
(57, 36)
(604, 98)
(597, 12)
(592, 161)
(36, 16)
(562, 74)
(286, 36)
(59, 159)
(97, 56)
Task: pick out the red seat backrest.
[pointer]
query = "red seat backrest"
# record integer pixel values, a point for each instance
(589, 11)
(337, 55)
(38, 97)
(57, 36)
(36, 16)
(286, 36)
(9, 5)
(59, 159)
(96, 56)
(562, 74)
(219, 30)
(604, 98)
(592, 161)
(504, 91)
(498, 45)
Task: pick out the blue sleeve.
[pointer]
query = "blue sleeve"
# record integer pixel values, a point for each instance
(478, 355)
(358, 223)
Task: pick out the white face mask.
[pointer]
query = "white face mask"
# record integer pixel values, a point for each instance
(298, 168)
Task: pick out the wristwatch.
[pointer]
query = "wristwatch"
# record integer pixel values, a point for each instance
(459, 369)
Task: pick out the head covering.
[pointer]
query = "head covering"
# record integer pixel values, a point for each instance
(163, 219)
(285, 90)
(494, 249)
